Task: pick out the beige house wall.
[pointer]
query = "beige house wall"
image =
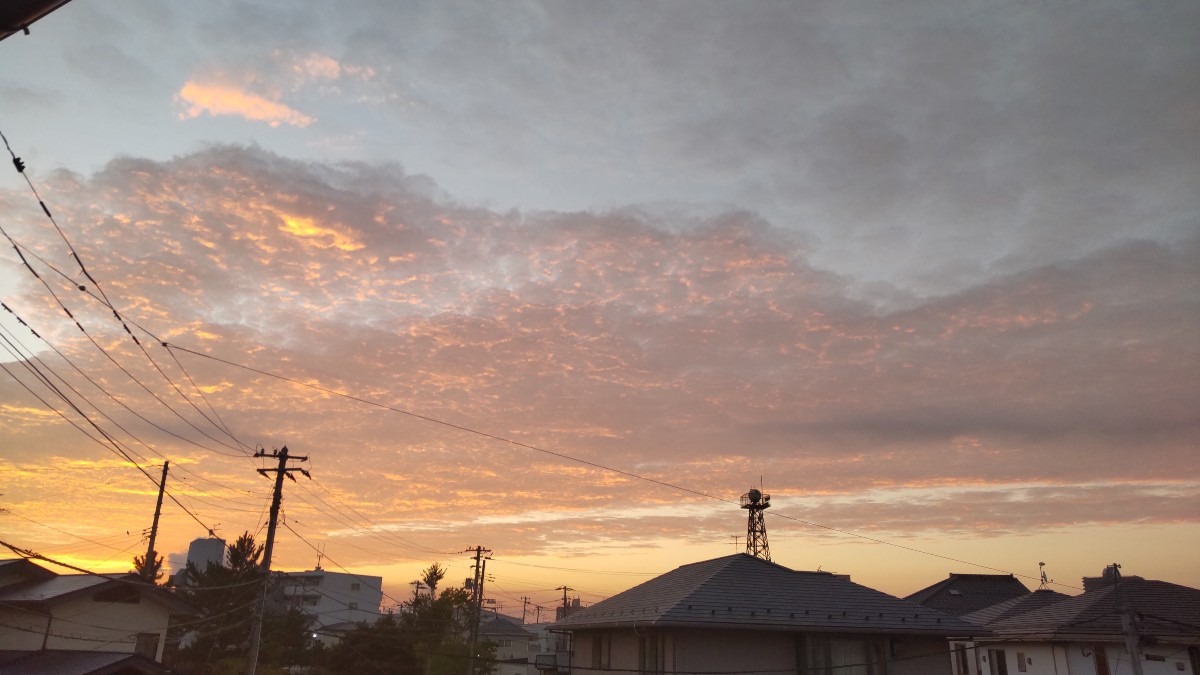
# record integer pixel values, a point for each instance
(744, 651)
(82, 623)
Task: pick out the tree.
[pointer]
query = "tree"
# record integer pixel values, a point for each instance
(151, 572)
(226, 595)
(432, 575)
(385, 647)
(430, 635)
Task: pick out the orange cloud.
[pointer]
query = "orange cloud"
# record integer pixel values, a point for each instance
(217, 99)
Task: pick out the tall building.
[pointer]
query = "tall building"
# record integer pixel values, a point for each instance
(333, 601)
(201, 553)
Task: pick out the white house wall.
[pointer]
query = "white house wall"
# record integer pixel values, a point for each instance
(1079, 659)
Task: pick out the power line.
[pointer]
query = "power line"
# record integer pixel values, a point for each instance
(105, 300)
(528, 446)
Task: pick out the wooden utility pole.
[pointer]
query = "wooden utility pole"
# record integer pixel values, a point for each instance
(280, 471)
(566, 604)
(477, 602)
(1128, 625)
(148, 566)
(524, 607)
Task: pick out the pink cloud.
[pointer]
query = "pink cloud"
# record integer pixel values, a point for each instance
(219, 99)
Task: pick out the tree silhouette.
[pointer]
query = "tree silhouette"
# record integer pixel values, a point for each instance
(431, 576)
(151, 572)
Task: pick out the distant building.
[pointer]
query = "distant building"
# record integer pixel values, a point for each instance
(71, 622)
(332, 600)
(515, 646)
(961, 594)
(201, 554)
(564, 611)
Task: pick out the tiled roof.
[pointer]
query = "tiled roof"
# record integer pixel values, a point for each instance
(1164, 610)
(63, 662)
(63, 586)
(1015, 607)
(961, 594)
(502, 625)
(741, 591)
(54, 587)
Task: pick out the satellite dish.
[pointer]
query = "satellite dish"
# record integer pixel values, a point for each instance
(754, 495)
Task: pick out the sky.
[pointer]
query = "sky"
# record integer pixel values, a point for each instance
(564, 280)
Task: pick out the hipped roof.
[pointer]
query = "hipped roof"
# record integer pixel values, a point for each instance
(1163, 610)
(741, 591)
(960, 594)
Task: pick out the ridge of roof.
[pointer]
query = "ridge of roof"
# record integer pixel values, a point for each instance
(741, 591)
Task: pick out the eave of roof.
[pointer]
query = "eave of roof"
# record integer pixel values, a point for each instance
(64, 587)
(18, 15)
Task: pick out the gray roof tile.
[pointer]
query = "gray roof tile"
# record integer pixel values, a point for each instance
(1164, 610)
(741, 591)
(960, 594)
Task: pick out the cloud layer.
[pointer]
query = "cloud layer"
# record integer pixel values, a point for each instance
(698, 352)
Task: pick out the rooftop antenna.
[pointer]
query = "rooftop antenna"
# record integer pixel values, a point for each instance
(1042, 573)
(320, 556)
(755, 502)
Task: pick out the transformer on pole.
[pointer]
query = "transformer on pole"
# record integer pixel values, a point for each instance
(755, 502)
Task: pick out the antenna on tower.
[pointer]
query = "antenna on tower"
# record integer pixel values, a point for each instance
(755, 502)
(1042, 573)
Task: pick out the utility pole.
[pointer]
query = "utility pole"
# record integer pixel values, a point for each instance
(417, 586)
(280, 471)
(524, 607)
(1128, 626)
(148, 565)
(477, 602)
(566, 605)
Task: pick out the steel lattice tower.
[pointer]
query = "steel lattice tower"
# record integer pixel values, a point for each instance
(755, 502)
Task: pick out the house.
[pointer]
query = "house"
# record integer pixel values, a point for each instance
(332, 599)
(961, 594)
(746, 615)
(41, 611)
(1045, 633)
(514, 644)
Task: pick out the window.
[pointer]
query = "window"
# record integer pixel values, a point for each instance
(650, 654)
(847, 656)
(354, 605)
(355, 587)
(962, 666)
(146, 645)
(601, 651)
(1021, 663)
(997, 662)
(1101, 657)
